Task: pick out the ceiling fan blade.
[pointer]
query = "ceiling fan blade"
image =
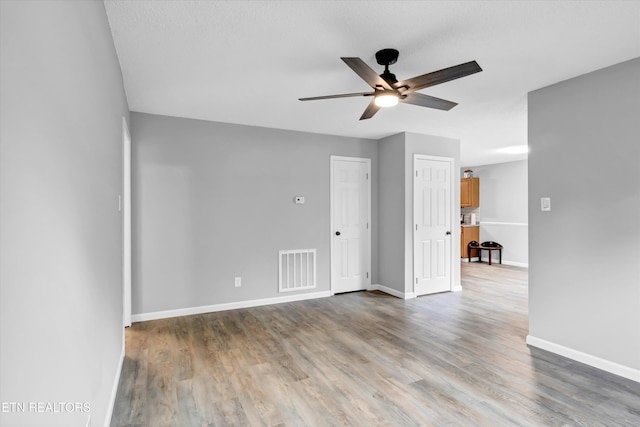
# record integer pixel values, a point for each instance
(437, 77)
(371, 109)
(428, 101)
(343, 95)
(366, 73)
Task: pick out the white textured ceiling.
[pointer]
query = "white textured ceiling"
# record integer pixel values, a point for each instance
(248, 62)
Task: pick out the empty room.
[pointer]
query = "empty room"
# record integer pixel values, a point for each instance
(319, 213)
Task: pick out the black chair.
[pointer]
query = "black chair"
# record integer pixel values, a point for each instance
(492, 246)
(471, 246)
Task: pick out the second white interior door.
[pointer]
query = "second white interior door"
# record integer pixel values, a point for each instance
(432, 225)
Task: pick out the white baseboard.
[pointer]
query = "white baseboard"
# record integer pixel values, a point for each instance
(398, 294)
(114, 388)
(587, 359)
(516, 264)
(505, 262)
(394, 292)
(142, 317)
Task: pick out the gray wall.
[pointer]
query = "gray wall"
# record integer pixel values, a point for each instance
(396, 205)
(391, 233)
(584, 274)
(61, 109)
(213, 201)
(504, 209)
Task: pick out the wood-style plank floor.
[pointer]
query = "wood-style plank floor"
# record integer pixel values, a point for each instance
(366, 359)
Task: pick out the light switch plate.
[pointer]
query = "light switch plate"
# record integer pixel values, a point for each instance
(545, 204)
(299, 200)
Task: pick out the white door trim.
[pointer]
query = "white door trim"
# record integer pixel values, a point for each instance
(126, 224)
(367, 162)
(451, 161)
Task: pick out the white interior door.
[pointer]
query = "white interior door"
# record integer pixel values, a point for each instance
(350, 224)
(432, 224)
(126, 223)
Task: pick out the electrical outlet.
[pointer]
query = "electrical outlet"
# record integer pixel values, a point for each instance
(238, 282)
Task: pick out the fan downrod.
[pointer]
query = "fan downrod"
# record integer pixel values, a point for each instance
(387, 57)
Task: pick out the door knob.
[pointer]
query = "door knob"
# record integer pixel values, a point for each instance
(448, 233)
(337, 233)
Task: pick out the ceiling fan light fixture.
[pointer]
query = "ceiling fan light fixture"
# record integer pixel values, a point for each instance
(386, 98)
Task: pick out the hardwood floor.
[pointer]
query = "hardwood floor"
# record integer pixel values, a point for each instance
(366, 359)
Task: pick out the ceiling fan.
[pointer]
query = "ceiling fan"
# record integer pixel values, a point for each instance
(388, 91)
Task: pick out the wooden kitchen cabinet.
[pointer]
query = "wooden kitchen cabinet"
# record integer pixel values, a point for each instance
(469, 192)
(468, 234)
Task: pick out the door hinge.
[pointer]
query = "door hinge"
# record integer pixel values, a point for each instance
(367, 226)
(367, 175)
(367, 274)
(416, 280)
(416, 227)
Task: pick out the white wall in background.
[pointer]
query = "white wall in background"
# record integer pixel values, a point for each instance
(504, 209)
